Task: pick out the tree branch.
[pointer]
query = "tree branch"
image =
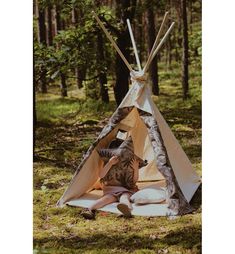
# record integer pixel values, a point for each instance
(109, 26)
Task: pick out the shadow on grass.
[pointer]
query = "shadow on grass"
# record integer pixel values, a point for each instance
(62, 145)
(189, 116)
(186, 238)
(193, 151)
(57, 163)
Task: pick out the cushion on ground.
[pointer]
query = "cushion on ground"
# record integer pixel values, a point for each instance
(149, 196)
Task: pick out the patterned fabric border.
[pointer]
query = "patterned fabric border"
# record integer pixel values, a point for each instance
(177, 201)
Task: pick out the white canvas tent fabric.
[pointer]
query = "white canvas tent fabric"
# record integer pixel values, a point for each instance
(154, 141)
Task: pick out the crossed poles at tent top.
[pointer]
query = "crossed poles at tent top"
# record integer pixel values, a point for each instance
(155, 49)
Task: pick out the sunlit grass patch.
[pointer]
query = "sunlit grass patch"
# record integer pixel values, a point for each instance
(57, 110)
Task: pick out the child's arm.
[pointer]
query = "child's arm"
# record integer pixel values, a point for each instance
(135, 166)
(112, 161)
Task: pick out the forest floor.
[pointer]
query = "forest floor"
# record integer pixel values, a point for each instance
(66, 128)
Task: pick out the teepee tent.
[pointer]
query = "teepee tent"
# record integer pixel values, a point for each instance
(168, 172)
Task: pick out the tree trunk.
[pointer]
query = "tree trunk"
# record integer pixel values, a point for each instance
(74, 18)
(169, 40)
(63, 85)
(42, 26)
(122, 73)
(54, 21)
(177, 54)
(169, 56)
(49, 26)
(144, 36)
(36, 10)
(63, 24)
(178, 8)
(139, 32)
(125, 9)
(58, 19)
(79, 72)
(103, 87)
(185, 57)
(43, 80)
(42, 39)
(80, 76)
(191, 15)
(102, 75)
(34, 109)
(168, 50)
(153, 69)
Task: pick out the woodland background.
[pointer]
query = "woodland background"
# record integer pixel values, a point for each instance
(78, 82)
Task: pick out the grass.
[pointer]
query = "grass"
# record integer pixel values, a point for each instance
(66, 128)
(54, 109)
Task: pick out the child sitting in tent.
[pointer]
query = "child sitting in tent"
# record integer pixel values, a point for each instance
(117, 184)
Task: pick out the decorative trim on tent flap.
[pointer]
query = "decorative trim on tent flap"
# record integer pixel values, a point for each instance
(176, 199)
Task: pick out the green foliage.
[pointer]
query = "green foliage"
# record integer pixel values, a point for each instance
(43, 60)
(195, 45)
(75, 47)
(92, 89)
(70, 53)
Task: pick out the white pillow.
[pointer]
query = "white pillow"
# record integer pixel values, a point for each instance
(149, 196)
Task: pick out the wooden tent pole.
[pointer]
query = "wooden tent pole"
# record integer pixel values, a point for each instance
(134, 45)
(112, 41)
(155, 42)
(161, 43)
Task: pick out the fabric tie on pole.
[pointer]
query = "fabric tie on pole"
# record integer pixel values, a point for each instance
(138, 79)
(138, 76)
